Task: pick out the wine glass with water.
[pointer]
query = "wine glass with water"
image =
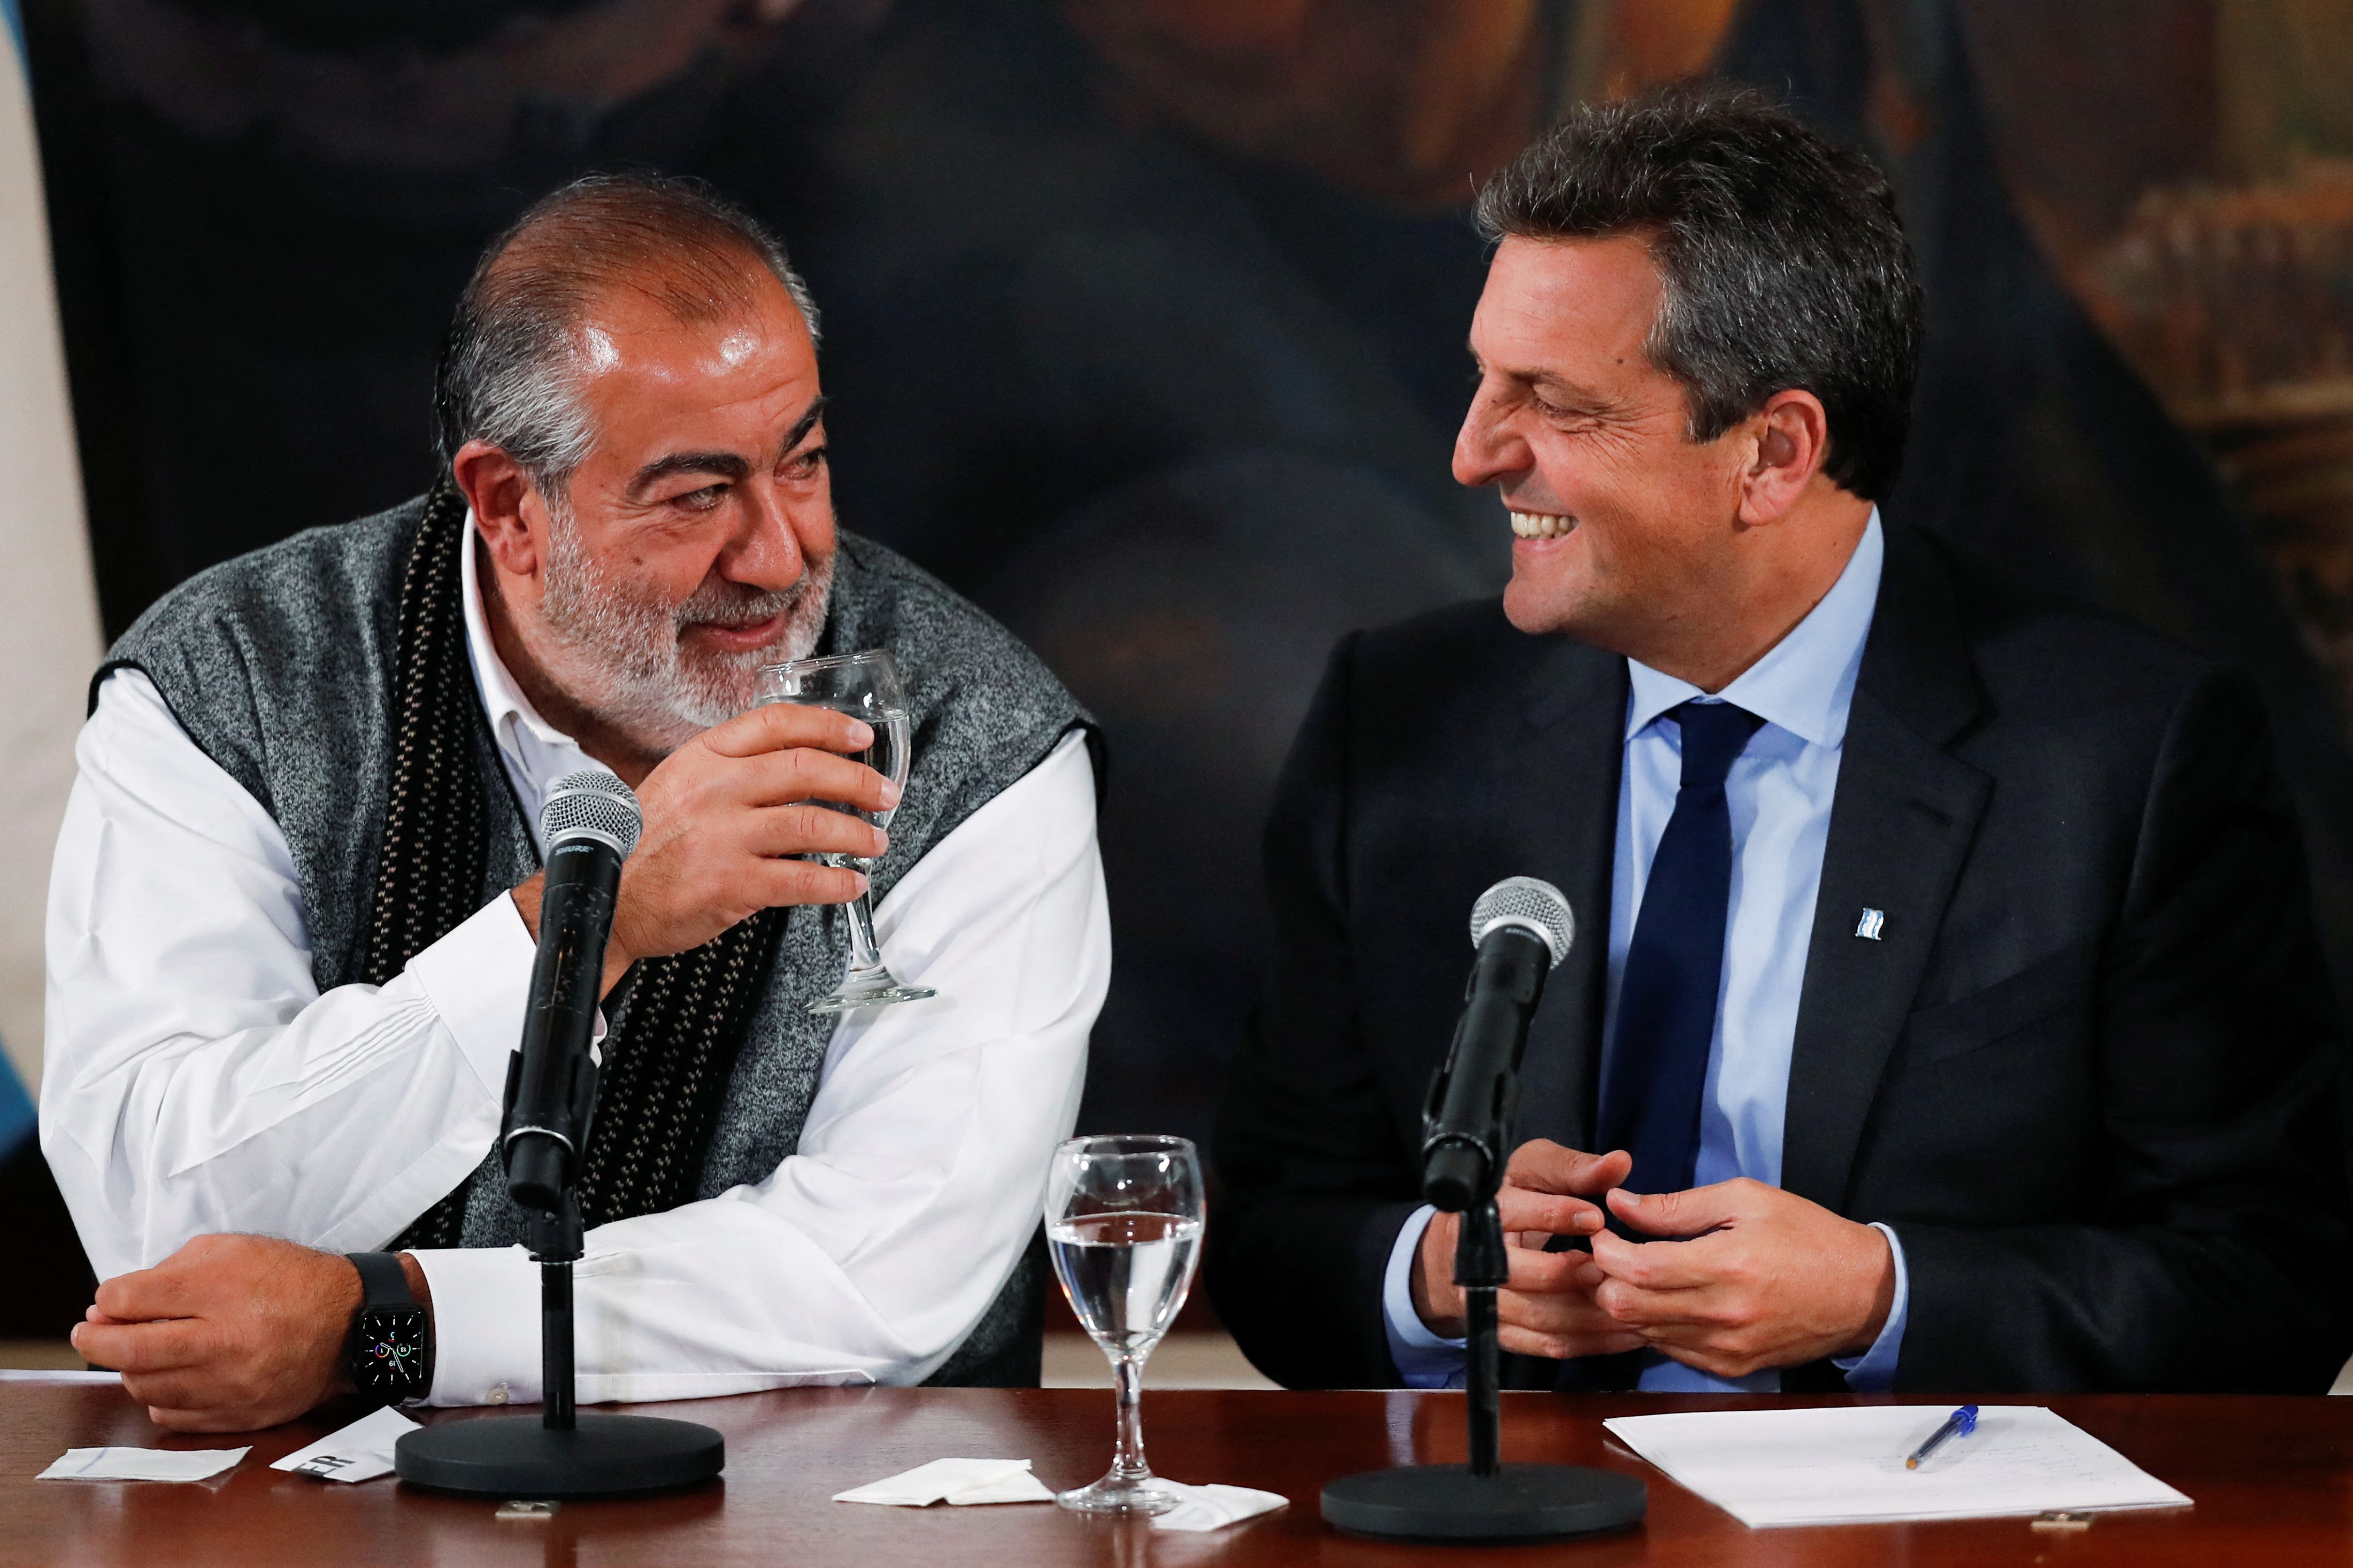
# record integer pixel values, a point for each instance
(1124, 1227)
(866, 687)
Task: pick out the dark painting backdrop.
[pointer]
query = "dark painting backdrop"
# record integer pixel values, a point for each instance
(1144, 318)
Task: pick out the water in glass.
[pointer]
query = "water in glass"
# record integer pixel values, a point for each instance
(1126, 1274)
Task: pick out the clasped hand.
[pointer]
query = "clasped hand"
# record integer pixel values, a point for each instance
(1752, 1277)
(230, 1333)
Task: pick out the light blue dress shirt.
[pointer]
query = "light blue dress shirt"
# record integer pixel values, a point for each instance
(1780, 793)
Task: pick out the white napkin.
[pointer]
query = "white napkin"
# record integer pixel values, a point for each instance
(359, 1452)
(1016, 1486)
(143, 1464)
(1213, 1506)
(954, 1481)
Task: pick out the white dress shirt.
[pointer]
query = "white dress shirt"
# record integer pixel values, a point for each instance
(196, 1081)
(1780, 793)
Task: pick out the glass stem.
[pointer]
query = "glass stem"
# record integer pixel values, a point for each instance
(863, 954)
(1127, 1460)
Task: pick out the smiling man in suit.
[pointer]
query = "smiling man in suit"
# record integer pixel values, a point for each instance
(1948, 1012)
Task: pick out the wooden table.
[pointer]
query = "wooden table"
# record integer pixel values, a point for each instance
(2272, 1480)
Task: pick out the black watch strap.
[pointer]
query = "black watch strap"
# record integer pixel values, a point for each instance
(383, 1281)
(391, 1352)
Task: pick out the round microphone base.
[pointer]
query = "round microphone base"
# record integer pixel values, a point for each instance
(1518, 1503)
(518, 1457)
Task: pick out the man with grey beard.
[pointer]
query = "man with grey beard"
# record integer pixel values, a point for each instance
(296, 898)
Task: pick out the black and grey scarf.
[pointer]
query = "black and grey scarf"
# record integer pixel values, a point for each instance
(672, 1046)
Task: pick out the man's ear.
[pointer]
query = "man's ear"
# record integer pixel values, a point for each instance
(1792, 442)
(505, 503)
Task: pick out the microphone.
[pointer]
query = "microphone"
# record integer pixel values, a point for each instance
(1521, 928)
(590, 823)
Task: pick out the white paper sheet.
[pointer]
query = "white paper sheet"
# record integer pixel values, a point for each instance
(1213, 1506)
(954, 1481)
(143, 1464)
(1846, 1465)
(359, 1452)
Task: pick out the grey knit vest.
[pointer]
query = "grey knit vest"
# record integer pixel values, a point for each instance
(281, 667)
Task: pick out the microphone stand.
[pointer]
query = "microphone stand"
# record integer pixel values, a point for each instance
(561, 1455)
(555, 1246)
(1485, 1500)
(1480, 1267)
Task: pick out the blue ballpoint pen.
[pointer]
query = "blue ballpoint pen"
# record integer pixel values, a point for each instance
(1959, 1424)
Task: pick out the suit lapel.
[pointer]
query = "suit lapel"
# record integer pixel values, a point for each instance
(1900, 825)
(1567, 797)
(1559, 807)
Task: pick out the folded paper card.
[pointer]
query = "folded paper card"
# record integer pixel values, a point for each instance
(143, 1464)
(1846, 1464)
(1214, 1506)
(359, 1452)
(953, 1481)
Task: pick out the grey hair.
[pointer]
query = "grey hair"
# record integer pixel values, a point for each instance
(1782, 263)
(510, 374)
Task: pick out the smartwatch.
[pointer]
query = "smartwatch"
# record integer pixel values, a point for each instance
(392, 1340)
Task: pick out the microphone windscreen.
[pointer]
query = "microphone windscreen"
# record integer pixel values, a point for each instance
(592, 804)
(1531, 904)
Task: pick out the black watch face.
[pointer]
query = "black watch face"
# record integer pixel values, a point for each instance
(390, 1356)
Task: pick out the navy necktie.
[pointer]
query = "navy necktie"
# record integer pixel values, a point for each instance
(1675, 965)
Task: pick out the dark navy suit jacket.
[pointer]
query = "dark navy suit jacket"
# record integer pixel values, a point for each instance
(2088, 1073)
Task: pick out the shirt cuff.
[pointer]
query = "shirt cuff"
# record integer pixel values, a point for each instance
(1422, 1358)
(479, 980)
(1873, 1371)
(485, 1325)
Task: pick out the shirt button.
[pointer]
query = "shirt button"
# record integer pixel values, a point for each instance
(497, 1396)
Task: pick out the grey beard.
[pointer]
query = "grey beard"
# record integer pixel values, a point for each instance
(627, 665)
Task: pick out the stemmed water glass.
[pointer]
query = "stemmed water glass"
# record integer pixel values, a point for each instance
(866, 687)
(1124, 1227)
